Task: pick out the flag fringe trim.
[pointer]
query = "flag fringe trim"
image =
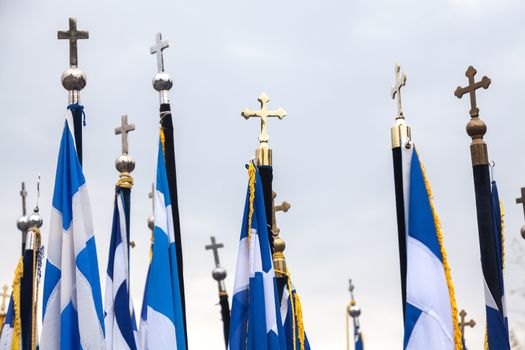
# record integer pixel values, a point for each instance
(17, 329)
(251, 174)
(446, 267)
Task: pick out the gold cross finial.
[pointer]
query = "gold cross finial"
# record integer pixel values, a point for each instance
(264, 114)
(401, 80)
(462, 323)
(471, 89)
(284, 206)
(5, 296)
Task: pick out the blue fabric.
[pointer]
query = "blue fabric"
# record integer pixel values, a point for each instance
(412, 315)
(289, 325)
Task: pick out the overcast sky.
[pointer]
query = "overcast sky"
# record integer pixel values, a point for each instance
(330, 64)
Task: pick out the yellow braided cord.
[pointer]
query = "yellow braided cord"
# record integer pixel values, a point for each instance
(17, 329)
(502, 212)
(251, 174)
(300, 325)
(163, 141)
(437, 224)
(486, 345)
(34, 296)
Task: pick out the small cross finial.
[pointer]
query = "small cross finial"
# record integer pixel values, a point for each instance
(5, 296)
(123, 130)
(23, 194)
(264, 114)
(471, 89)
(401, 80)
(283, 207)
(159, 46)
(521, 200)
(215, 247)
(462, 323)
(73, 35)
(150, 195)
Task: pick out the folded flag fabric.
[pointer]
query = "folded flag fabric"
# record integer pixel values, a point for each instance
(72, 307)
(292, 315)
(255, 318)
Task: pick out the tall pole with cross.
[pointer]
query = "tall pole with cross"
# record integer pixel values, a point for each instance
(219, 274)
(74, 80)
(521, 200)
(486, 216)
(263, 154)
(124, 163)
(279, 261)
(162, 83)
(22, 222)
(400, 136)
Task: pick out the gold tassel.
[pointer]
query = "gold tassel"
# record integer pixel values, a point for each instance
(502, 213)
(251, 174)
(437, 224)
(163, 141)
(299, 316)
(17, 329)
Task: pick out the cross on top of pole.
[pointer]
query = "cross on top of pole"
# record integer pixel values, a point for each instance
(159, 46)
(401, 80)
(521, 200)
(471, 89)
(462, 323)
(215, 247)
(23, 194)
(73, 35)
(123, 130)
(264, 114)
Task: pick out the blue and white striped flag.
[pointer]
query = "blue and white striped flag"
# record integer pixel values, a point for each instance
(255, 318)
(431, 314)
(8, 328)
(121, 330)
(291, 314)
(72, 308)
(496, 308)
(165, 325)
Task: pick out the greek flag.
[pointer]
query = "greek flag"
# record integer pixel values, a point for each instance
(72, 308)
(358, 337)
(255, 318)
(496, 308)
(291, 313)
(118, 311)
(8, 328)
(165, 325)
(431, 313)
(143, 330)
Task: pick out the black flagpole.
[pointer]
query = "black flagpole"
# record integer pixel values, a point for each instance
(400, 133)
(476, 129)
(266, 174)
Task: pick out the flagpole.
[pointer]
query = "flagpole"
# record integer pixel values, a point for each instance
(400, 133)
(74, 80)
(476, 129)
(219, 274)
(22, 222)
(162, 83)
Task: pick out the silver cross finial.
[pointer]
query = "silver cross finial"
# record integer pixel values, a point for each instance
(73, 35)
(215, 247)
(23, 194)
(159, 46)
(123, 130)
(401, 80)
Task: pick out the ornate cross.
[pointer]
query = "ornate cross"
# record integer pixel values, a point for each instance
(215, 247)
(123, 130)
(401, 80)
(23, 194)
(159, 46)
(471, 89)
(284, 206)
(73, 35)
(462, 323)
(4, 296)
(264, 114)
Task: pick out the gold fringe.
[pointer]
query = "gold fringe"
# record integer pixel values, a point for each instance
(36, 249)
(502, 213)
(17, 329)
(163, 141)
(300, 325)
(251, 174)
(486, 345)
(437, 224)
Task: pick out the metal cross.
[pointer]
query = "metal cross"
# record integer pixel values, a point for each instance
(150, 195)
(351, 288)
(521, 200)
(215, 247)
(462, 323)
(4, 296)
(284, 206)
(264, 114)
(159, 46)
(73, 35)
(471, 89)
(23, 194)
(123, 130)
(401, 80)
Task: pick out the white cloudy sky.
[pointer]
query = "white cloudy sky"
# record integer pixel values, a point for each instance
(330, 65)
